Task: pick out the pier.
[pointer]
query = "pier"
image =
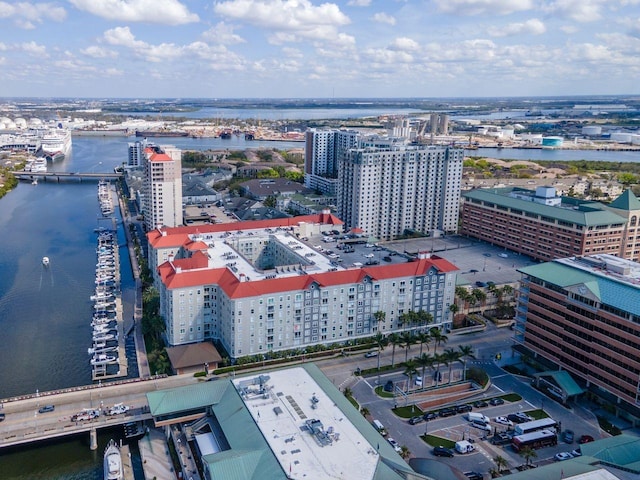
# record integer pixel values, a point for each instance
(58, 177)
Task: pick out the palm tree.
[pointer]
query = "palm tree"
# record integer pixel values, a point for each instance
(451, 357)
(379, 316)
(347, 392)
(423, 338)
(407, 340)
(478, 296)
(365, 412)
(466, 351)
(438, 337)
(439, 358)
(425, 361)
(394, 340)
(410, 371)
(381, 342)
(528, 454)
(500, 462)
(404, 452)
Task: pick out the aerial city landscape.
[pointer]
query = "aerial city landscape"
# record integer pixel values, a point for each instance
(286, 239)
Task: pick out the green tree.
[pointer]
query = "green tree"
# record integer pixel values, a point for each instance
(404, 452)
(627, 178)
(528, 454)
(438, 337)
(379, 317)
(500, 462)
(439, 359)
(466, 351)
(451, 357)
(425, 361)
(394, 341)
(410, 371)
(423, 338)
(270, 201)
(365, 412)
(407, 339)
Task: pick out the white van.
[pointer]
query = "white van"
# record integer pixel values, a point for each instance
(379, 427)
(463, 446)
(471, 416)
(481, 425)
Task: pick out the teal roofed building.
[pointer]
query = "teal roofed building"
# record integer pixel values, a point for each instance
(581, 315)
(291, 423)
(543, 225)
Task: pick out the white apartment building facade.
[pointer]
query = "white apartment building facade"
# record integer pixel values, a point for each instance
(162, 191)
(387, 190)
(257, 290)
(323, 147)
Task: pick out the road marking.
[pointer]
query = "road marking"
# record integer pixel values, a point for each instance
(499, 388)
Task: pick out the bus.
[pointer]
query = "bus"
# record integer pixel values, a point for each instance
(537, 439)
(535, 425)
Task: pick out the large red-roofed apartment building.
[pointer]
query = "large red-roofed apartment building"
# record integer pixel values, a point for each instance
(256, 287)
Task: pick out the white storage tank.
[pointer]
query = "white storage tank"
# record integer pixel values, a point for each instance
(592, 130)
(621, 137)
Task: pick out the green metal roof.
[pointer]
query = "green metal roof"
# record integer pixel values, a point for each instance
(626, 201)
(559, 470)
(620, 451)
(609, 291)
(581, 212)
(564, 381)
(182, 399)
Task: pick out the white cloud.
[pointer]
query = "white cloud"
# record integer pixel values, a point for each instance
(166, 12)
(532, 27)
(290, 20)
(405, 44)
(222, 33)
(569, 29)
(382, 17)
(114, 72)
(359, 3)
(95, 51)
(292, 52)
(577, 10)
(26, 14)
(32, 48)
(483, 7)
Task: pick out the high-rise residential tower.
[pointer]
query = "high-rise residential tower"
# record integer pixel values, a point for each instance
(323, 147)
(387, 188)
(162, 191)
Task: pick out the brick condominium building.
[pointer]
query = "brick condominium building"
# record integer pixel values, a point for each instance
(546, 226)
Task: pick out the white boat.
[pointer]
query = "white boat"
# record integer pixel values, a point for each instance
(113, 462)
(34, 181)
(45, 261)
(103, 359)
(104, 337)
(56, 144)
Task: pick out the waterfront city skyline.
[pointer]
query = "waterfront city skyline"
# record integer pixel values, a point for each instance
(313, 48)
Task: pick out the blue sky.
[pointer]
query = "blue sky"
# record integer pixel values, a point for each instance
(316, 48)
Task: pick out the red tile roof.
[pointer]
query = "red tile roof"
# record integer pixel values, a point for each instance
(234, 288)
(160, 157)
(177, 236)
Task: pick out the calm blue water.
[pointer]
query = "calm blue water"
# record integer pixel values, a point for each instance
(554, 155)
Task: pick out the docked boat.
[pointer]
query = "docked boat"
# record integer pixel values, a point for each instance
(105, 337)
(113, 462)
(56, 144)
(103, 359)
(45, 261)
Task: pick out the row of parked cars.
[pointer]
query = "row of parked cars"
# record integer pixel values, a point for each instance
(450, 411)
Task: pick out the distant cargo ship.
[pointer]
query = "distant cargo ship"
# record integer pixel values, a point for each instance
(111, 132)
(160, 133)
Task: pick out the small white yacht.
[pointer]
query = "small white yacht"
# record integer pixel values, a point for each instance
(45, 261)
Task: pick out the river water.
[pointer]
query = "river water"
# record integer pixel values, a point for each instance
(45, 313)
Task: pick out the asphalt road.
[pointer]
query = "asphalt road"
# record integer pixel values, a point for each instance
(486, 344)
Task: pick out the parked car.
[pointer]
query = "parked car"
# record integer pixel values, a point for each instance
(416, 420)
(464, 408)
(430, 416)
(503, 421)
(418, 381)
(519, 417)
(585, 439)
(2, 416)
(46, 408)
(442, 452)
(562, 456)
(371, 354)
(394, 444)
(577, 452)
(496, 401)
(568, 436)
(480, 404)
(474, 475)
(447, 412)
(388, 387)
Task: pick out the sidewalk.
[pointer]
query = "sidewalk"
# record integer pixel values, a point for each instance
(154, 453)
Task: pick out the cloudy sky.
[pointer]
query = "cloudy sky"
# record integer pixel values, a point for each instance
(318, 48)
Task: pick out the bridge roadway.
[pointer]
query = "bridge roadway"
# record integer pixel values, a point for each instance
(23, 424)
(57, 177)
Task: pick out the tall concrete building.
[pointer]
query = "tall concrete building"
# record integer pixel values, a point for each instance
(582, 315)
(162, 190)
(323, 147)
(387, 188)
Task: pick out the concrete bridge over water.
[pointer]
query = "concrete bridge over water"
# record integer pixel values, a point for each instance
(58, 177)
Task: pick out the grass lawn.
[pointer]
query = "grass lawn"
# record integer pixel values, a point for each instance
(537, 414)
(407, 412)
(511, 397)
(438, 441)
(381, 393)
